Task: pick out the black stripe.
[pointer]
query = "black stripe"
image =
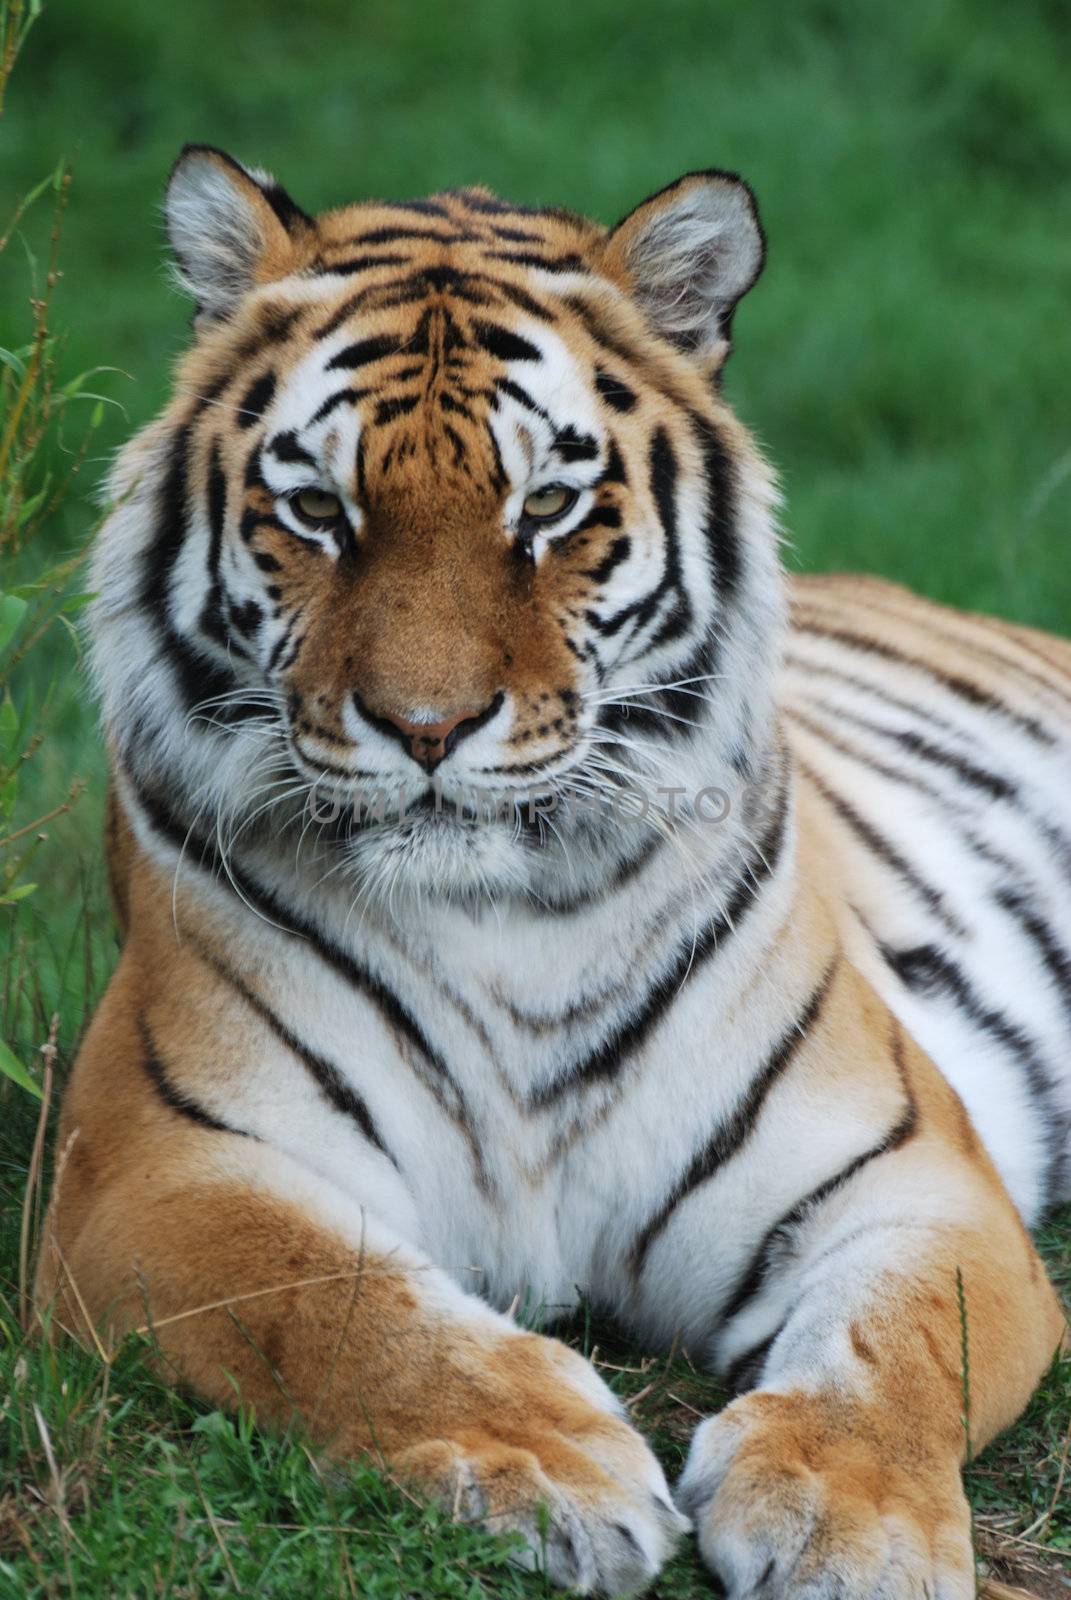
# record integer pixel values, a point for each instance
(459, 446)
(606, 338)
(363, 352)
(394, 235)
(399, 406)
(1054, 958)
(731, 1135)
(499, 478)
(872, 690)
(287, 210)
(618, 552)
(885, 851)
(491, 205)
(600, 516)
(350, 266)
(246, 617)
(211, 620)
(568, 262)
(926, 970)
(680, 702)
(614, 391)
(990, 782)
(422, 207)
(361, 473)
(851, 752)
(935, 755)
(324, 1073)
(176, 1098)
(401, 291)
(614, 470)
(746, 1371)
(170, 534)
(522, 397)
(341, 397)
(662, 462)
(503, 343)
(753, 1279)
(972, 647)
(285, 447)
(962, 688)
(719, 527)
(449, 402)
(911, 780)
(258, 397)
(516, 235)
(281, 643)
(609, 1057)
(626, 872)
(526, 302)
(575, 446)
(662, 474)
(416, 285)
(254, 477)
(276, 324)
(196, 676)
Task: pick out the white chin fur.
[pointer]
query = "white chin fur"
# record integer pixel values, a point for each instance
(439, 856)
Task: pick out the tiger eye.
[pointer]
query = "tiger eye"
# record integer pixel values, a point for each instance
(550, 502)
(317, 505)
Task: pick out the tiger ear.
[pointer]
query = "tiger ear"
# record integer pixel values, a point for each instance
(230, 227)
(687, 255)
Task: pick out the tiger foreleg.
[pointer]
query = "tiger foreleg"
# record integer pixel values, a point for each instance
(913, 1321)
(257, 1281)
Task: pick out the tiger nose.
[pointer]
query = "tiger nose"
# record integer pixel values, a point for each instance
(430, 742)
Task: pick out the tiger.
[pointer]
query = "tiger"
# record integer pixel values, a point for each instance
(530, 896)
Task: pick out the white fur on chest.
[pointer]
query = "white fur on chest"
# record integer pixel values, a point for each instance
(509, 1176)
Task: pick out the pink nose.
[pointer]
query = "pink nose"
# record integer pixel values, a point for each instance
(431, 742)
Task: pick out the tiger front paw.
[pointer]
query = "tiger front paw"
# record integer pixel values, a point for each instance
(556, 1462)
(796, 1496)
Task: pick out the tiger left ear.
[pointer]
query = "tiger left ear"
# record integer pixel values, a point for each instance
(231, 227)
(688, 255)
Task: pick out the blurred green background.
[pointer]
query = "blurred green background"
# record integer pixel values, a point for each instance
(904, 359)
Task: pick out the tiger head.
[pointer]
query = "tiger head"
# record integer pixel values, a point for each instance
(447, 524)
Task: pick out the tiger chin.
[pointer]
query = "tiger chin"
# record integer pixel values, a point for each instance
(441, 593)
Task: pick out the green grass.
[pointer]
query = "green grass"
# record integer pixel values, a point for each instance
(904, 360)
(118, 1488)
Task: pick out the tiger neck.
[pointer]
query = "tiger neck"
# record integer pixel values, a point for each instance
(522, 1000)
(680, 888)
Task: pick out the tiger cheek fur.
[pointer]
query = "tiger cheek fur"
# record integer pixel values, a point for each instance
(448, 507)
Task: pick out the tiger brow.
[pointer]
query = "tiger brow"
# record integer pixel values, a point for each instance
(510, 291)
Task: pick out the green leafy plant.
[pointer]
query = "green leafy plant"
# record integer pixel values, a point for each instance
(47, 424)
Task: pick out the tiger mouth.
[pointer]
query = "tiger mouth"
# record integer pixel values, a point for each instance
(432, 811)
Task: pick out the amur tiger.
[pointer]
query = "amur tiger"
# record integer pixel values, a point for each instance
(526, 889)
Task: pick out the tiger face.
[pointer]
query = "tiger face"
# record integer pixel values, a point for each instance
(447, 527)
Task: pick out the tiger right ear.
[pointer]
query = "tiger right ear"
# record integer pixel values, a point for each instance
(687, 255)
(231, 227)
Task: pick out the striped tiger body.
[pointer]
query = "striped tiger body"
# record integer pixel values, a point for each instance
(526, 894)
(934, 753)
